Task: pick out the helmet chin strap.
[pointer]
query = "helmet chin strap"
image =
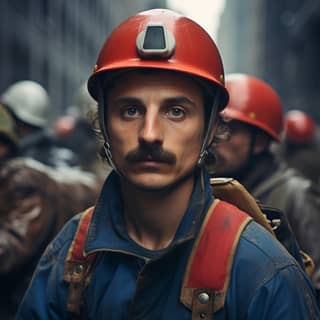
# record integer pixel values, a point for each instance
(211, 126)
(102, 121)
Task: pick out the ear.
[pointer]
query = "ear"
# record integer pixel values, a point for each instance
(262, 143)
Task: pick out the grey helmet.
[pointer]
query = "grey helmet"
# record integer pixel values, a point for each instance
(28, 101)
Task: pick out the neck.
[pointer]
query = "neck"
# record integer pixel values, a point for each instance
(260, 166)
(152, 217)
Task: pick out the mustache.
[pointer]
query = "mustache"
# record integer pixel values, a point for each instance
(151, 152)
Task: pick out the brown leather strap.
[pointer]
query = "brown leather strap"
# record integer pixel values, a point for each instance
(202, 304)
(78, 266)
(308, 263)
(234, 192)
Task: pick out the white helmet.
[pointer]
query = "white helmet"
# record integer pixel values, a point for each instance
(28, 101)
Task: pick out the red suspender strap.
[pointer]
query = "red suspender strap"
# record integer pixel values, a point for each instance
(209, 267)
(76, 251)
(77, 265)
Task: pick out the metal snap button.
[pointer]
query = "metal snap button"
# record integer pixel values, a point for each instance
(79, 268)
(203, 298)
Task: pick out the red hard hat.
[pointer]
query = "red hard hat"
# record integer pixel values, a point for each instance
(160, 39)
(299, 127)
(253, 101)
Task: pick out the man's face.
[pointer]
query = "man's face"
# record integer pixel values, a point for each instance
(233, 155)
(155, 121)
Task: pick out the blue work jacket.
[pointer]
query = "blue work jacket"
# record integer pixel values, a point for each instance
(131, 282)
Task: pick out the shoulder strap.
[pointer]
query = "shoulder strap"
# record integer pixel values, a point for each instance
(77, 267)
(232, 191)
(209, 267)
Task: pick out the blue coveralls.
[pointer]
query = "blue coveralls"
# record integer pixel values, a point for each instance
(131, 282)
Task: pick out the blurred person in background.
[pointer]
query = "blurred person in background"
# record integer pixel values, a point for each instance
(9, 144)
(76, 130)
(36, 199)
(300, 147)
(254, 116)
(28, 103)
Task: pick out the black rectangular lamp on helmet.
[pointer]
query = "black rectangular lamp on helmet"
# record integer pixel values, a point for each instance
(155, 42)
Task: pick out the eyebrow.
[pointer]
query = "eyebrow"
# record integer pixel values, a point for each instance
(171, 100)
(180, 100)
(127, 100)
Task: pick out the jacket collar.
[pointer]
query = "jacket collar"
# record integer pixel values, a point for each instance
(107, 231)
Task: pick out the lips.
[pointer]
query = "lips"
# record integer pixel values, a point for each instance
(150, 158)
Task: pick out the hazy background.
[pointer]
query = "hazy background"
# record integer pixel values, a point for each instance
(56, 42)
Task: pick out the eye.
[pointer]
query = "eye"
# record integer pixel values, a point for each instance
(176, 113)
(130, 112)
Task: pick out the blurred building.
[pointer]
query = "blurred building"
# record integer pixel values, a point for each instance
(55, 42)
(278, 41)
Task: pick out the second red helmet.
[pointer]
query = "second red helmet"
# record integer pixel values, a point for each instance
(299, 127)
(253, 101)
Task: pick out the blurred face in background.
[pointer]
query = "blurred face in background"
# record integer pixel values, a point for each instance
(232, 155)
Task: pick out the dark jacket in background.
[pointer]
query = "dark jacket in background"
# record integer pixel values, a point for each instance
(275, 184)
(36, 201)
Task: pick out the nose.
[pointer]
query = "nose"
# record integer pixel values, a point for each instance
(150, 131)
